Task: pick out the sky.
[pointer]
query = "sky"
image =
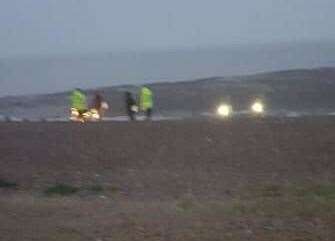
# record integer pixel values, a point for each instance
(42, 27)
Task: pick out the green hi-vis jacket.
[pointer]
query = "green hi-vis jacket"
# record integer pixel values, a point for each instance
(78, 100)
(146, 99)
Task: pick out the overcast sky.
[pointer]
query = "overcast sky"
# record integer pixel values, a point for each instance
(70, 26)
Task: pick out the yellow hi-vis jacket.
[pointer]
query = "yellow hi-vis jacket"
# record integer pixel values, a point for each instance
(78, 100)
(146, 99)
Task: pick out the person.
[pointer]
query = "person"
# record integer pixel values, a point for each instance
(130, 106)
(78, 101)
(100, 104)
(97, 101)
(146, 101)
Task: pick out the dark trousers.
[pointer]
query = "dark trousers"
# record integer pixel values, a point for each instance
(131, 114)
(148, 113)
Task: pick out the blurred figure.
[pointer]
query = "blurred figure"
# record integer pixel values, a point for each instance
(78, 101)
(97, 101)
(100, 104)
(130, 106)
(146, 101)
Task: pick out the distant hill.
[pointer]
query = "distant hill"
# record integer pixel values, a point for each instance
(45, 74)
(296, 90)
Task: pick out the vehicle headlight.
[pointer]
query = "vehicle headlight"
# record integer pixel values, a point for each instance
(224, 110)
(257, 107)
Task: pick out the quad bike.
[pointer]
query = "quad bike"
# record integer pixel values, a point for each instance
(92, 114)
(89, 115)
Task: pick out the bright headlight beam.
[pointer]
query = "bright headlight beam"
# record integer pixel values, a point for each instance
(257, 107)
(224, 110)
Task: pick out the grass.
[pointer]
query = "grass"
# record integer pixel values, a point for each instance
(66, 190)
(287, 201)
(7, 185)
(326, 191)
(187, 203)
(271, 191)
(113, 190)
(62, 234)
(95, 188)
(269, 201)
(61, 189)
(270, 212)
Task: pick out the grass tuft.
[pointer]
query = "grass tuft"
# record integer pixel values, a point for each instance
(95, 188)
(7, 185)
(61, 189)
